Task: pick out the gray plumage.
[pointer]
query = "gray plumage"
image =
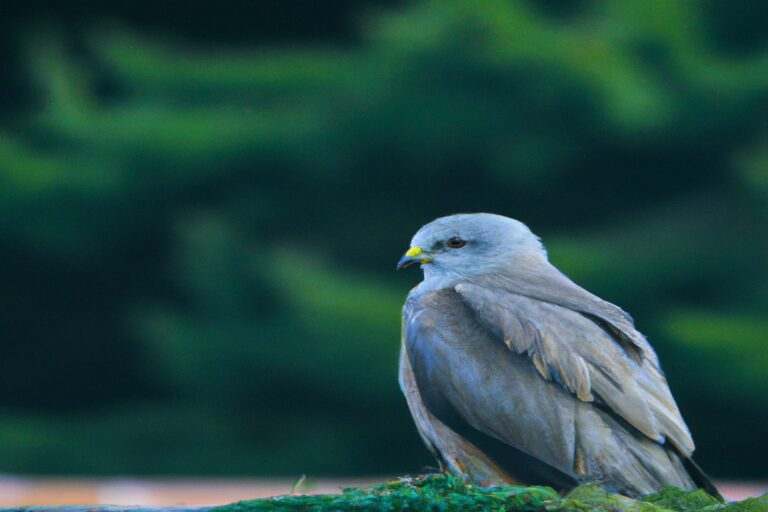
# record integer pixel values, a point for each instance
(514, 374)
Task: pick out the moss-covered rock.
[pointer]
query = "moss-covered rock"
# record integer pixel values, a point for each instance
(592, 497)
(438, 493)
(676, 499)
(429, 493)
(441, 493)
(749, 505)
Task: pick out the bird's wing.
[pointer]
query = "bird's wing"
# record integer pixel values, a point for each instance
(536, 430)
(587, 345)
(474, 385)
(496, 399)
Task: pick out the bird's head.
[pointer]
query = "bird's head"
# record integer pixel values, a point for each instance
(468, 244)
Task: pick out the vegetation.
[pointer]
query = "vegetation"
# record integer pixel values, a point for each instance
(440, 493)
(445, 493)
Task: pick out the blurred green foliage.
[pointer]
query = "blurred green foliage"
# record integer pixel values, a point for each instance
(199, 242)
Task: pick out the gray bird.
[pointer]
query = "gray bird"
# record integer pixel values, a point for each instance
(514, 374)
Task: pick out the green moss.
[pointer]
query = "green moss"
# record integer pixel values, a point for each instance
(430, 493)
(749, 505)
(437, 493)
(592, 497)
(679, 500)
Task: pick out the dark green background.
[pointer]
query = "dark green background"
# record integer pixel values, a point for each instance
(203, 204)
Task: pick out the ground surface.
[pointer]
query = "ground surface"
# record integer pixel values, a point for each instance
(443, 493)
(16, 491)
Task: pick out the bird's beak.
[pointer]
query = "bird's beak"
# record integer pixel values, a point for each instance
(413, 255)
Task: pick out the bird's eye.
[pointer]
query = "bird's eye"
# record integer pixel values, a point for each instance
(456, 242)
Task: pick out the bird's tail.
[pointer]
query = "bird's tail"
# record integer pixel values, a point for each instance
(700, 478)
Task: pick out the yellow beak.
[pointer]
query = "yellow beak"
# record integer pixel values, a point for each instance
(413, 255)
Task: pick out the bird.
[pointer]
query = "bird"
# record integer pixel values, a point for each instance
(516, 375)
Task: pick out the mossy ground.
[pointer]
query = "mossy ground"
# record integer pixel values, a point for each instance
(438, 493)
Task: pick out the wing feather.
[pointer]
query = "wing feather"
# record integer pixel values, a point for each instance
(571, 344)
(467, 379)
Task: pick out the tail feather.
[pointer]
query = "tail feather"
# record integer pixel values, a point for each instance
(700, 478)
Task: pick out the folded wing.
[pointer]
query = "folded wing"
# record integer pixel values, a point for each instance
(507, 370)
(596, 356)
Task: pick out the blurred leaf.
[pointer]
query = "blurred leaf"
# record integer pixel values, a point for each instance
(215, 227)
